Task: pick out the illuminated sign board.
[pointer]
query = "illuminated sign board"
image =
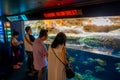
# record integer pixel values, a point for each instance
(1, 28)
(17, 18)
(63, 13)
(1, 32)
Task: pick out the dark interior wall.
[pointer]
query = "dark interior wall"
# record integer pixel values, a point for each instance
(4, 56)
(95, 10)
(5, 60)
(18, 26)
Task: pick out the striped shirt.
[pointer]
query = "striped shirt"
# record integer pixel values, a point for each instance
(39, 52)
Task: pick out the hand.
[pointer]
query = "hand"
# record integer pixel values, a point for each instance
(21, 42)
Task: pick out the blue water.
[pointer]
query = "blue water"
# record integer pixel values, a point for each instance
(88, 70)
(92, 70)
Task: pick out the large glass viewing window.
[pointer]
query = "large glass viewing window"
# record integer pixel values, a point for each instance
(95, 34)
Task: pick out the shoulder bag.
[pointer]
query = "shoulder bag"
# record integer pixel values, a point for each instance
(69, 71)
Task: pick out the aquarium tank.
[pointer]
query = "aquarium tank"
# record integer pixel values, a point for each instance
(93, 44)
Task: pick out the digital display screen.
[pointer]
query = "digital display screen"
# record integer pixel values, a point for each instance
(62, 13)
(17, 18)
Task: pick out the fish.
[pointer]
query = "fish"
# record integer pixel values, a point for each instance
(76, 67)
(78, 76)
(71, 59)
(117, 67)
(90, 60)
(88, 72)
(100, 62)
(85, 62)
(76, 55)
(99, 69)
(119, 71)
(117, 64)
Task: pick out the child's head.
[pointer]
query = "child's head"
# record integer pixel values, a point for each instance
(15, 34)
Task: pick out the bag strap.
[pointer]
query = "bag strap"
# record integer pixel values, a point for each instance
(57, 56)
(28, 40)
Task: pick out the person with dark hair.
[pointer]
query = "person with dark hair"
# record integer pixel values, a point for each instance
(15, 46)
(28, 41)
(40, 54)
(56, 69)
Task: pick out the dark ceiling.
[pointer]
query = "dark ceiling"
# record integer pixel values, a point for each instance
(12, 7)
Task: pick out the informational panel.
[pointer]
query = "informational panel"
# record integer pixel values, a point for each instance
(17, 18)
(1, 33)
(7, 30)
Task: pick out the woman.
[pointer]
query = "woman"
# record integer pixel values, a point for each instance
(16, 49)
(56, 69)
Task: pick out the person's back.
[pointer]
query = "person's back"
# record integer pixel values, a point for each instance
(39, 50)
(40, 54)
(56, 69)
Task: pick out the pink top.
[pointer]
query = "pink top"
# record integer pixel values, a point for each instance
(39, 51)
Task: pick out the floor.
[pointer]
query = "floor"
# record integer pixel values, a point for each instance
(20, 74)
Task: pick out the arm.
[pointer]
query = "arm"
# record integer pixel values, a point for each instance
(15, 42)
